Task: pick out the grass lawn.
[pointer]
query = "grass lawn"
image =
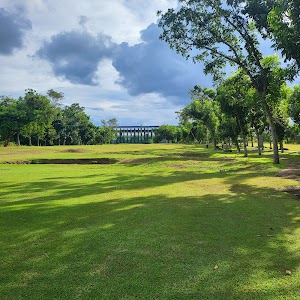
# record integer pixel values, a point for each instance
(163, 222)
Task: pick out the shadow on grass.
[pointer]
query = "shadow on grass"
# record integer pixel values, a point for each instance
(73, 187)
(152, 247)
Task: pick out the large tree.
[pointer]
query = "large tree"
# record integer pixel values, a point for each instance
(8, 119)
(279, 20)
(204, 109)
(55, 97)
(220, 34)
(40, 114)
(76, 125)
(294, 105)
(166, 132)
(233, 96)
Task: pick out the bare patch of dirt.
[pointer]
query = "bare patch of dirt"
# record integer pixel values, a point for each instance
(73, 151)
(294, 190)
(177, 166)
(78, 161)
(136, 161)
(67, 161)
(292, 172)
(18, 162)
(183, 166)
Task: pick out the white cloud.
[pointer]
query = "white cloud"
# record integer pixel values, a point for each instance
(147, 109)
(122, 20)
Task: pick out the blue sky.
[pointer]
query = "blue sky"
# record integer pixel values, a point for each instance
(104, 55)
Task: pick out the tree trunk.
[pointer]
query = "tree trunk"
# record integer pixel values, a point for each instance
(245, 146)
(29, 138)
(281, 146)
(259, 142)
(238, 149)
(272, 126)
(18, 139)
(6, 142)
(215, 143)
(245, 143)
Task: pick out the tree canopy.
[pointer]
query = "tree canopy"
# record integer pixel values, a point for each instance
(36, 118)
(280, 21)
(220, 34)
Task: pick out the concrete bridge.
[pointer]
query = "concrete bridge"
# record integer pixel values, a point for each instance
(135, 134)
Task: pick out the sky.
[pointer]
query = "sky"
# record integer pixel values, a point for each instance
(104, 55)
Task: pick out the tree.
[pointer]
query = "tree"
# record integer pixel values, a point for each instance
(22, 118)
(40, 114)
(8, 119)
(166, 132)
(204, 109)
(191, 131)
(294, 105)
(107, 132)
(257, 120)
(55, 97)
(279, 20)
(59, 124)
(229, 129)
(221, 34)
(233, 96)
(75, 123)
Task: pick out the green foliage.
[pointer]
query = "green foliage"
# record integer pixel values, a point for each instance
(205, 110)
(76, 124)
(55, 97)
(9, 116)
(279, 20)
(234, 96)
(168, 133)
(38, 119)
(39, 113)
(229, 129)
(294, 105)
(235, 101)
(106, 133)
(203, 26)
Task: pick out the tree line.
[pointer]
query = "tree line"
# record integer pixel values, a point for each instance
(37, 119)
(229, 33)
(232, 114)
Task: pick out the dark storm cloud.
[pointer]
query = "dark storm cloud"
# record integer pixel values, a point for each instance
(12, 31)
(75, 55)
(152, 66)
(148, 67)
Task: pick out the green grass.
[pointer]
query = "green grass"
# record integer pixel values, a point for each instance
(152, 226)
